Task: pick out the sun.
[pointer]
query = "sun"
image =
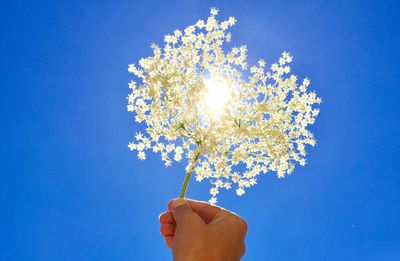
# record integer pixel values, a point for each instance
(217, 94)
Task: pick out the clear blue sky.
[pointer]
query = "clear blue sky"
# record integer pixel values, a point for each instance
(71, 190)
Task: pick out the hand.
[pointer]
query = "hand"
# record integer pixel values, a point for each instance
(199, 231)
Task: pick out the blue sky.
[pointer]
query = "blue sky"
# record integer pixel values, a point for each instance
(71, 190)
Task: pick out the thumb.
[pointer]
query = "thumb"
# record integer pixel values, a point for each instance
(180, 209)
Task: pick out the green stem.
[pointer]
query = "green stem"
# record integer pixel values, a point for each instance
(187, 177)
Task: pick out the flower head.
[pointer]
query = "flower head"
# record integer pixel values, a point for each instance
(201, 102)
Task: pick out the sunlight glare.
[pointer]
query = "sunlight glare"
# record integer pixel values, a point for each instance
(217, 95)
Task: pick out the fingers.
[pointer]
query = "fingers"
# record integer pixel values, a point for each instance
(166, 217)
(167, 229)
(180, 209)
(206, 211)
(239, 223)
(169, 241)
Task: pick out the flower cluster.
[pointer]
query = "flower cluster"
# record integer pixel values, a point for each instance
(261, 127)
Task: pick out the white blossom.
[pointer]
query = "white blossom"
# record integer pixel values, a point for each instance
(240, 191)
(201, 102)
(213, 200)
(141, 155)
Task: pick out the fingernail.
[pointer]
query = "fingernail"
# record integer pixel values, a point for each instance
(178, 202)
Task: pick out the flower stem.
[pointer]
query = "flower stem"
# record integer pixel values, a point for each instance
(187, 177)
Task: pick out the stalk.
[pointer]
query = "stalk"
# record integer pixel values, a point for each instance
(187, 177)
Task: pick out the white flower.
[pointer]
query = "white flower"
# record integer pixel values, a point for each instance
(213, 200)
(219, 183)
(131, 68)
(214, 11)
(240, 191)
(141, 155)
(232, 21)
(200, 24)
(199, 101)
(131, 146)
(178, 153)
(214, 191)
(132, 85)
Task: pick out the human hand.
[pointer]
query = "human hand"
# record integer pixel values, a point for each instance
(199, 231)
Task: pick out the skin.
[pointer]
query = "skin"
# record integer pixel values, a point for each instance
(199, 231)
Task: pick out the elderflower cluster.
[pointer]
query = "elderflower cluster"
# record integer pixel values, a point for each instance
(262, 126)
